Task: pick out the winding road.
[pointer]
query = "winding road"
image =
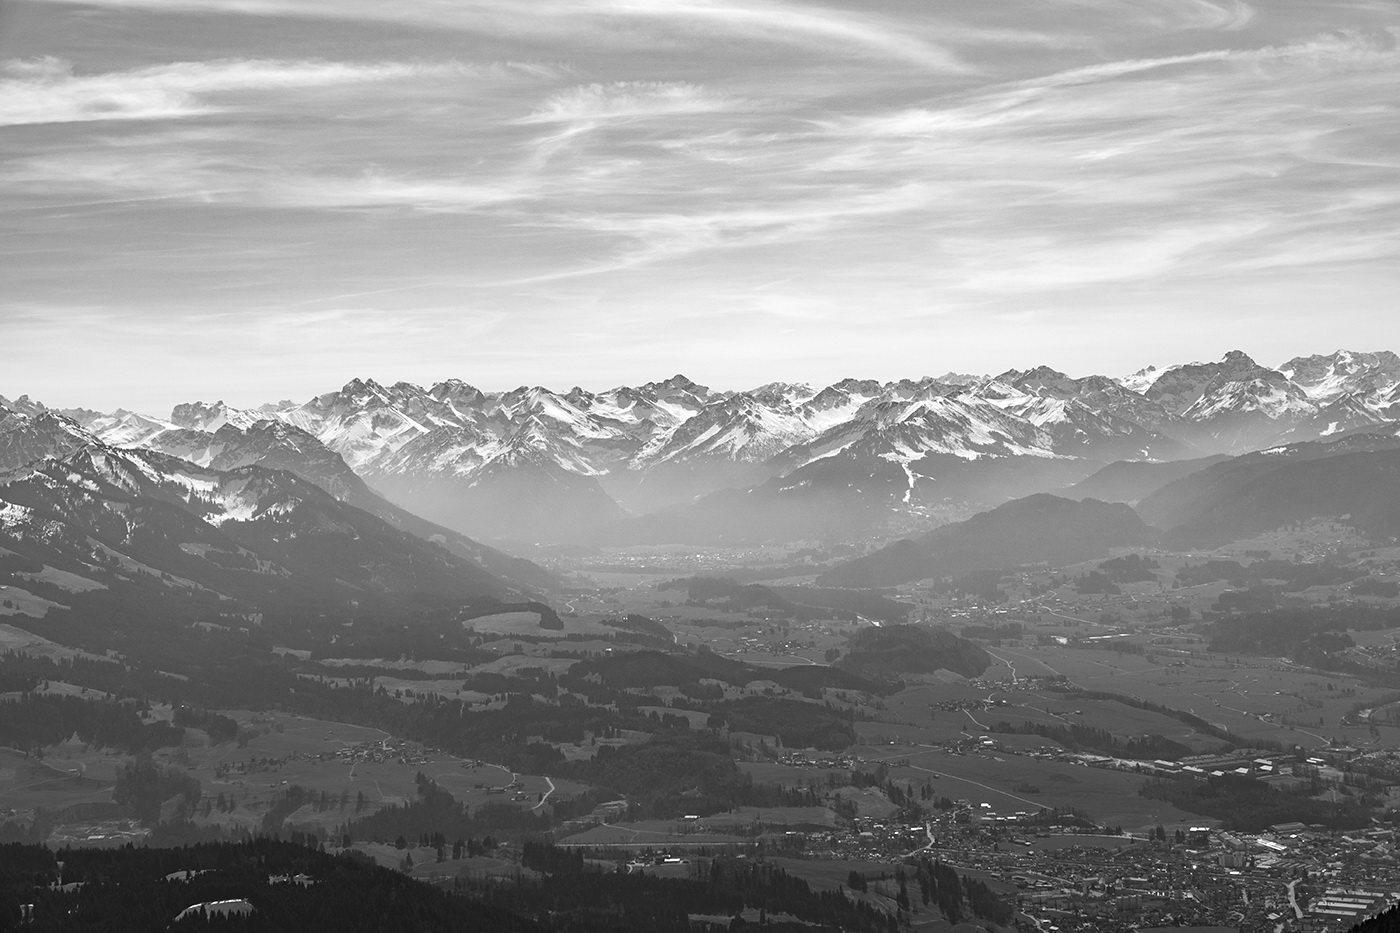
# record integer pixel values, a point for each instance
(1014, 678)
(546, 795)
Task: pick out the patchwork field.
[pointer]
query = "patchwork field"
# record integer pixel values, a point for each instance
(657, 833)
(27, 783)
(1017, 783)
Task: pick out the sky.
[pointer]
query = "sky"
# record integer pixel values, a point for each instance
(254, 200)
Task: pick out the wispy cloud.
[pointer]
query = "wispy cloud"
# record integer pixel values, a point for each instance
(657, 237)
(47, 90)
(1177, 14)
(1100, 150)
(1048, 262)
(792, 162)
(385, 191)
(627, 100)
(124, 174)
(773, 22)
(686, 169)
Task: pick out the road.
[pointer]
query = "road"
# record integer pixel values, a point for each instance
(773, 662)
(546, 795)
(1293, 899)
(980, 725)
(1258, 716)
(1034, 805)
(928, 829)
(1072, 618)
(1014, 678)
(1025, 657)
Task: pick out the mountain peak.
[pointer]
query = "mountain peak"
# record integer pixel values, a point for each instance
(676, 385)
(197, 415)
(961, 379)
(667, 442)
(24, 405)
(359, 386)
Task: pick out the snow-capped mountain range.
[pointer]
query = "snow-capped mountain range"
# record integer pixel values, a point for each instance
(528, 462)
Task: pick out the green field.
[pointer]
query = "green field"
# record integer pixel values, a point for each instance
(27, 783)
(1109, 797)
(283, 750)
(654, 833)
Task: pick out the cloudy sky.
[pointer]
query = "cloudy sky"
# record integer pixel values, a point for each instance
(258, 199)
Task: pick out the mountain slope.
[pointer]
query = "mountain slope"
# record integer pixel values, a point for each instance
(1131, 480)
(1326, 378)
(276, 445)
(162, 538)
(1361, 489)
(25, 438)
(1038, 528)
(1182, 500)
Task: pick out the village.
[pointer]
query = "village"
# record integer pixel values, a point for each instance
(1066, 873)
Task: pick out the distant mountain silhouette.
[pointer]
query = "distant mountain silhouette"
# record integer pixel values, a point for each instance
(1038, 528)
(1131, 480)
(1361, 489)
(1184, 499)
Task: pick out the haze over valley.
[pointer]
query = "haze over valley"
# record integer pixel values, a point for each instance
(871, 655)
(671, 461)
(681, 466)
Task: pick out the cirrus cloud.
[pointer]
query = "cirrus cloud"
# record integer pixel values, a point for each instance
(47, 90)
(624, 22)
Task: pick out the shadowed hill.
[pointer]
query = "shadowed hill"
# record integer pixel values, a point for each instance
(800, 602)
(1362, 489)
(1182, 500)
(1036, 529)
(895, 650)
(157, 545)
(1131, 480)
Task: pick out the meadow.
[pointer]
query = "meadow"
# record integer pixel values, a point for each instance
(1018, 783)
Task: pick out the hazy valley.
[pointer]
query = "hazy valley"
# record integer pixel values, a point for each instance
(1020, 651)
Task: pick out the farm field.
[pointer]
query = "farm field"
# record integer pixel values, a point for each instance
(282, 750)
(831, 874)
(17, 601)
(528, 623)
(91, 762)
(885, 733)
(657, 833)
(1110, 797)
(27, 783)
(772, 817)
(13, 638)
(1254, 698)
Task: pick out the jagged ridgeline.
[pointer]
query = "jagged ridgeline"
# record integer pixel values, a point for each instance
(675, 461)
